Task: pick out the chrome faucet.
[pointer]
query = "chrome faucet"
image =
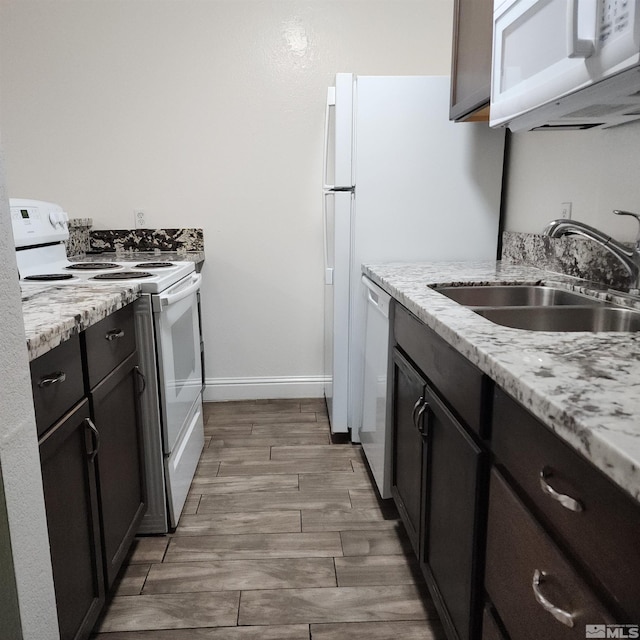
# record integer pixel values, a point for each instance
(628, 256)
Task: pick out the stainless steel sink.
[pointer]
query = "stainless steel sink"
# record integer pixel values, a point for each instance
(515, 295)
(564, 318)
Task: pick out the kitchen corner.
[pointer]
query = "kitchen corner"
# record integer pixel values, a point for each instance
(531, 432)
(114, 331)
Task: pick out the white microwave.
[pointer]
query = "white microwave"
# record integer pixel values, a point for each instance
(565, 64)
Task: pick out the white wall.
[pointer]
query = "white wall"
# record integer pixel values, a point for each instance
(19, 459)
(597, 171)
(206, 113)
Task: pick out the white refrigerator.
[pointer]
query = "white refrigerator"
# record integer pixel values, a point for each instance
(401, 183)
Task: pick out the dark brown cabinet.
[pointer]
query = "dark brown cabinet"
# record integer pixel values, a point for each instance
(471, 60)
(57, 382)
(408, 402)
(454, 480)
(519, 537)
(592, 521)
(120, 471)
(440, 468)
(86, 400)
(67, 457)
(490, 628)
(534, 587)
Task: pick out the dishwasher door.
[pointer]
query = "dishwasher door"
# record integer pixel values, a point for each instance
(375, 434)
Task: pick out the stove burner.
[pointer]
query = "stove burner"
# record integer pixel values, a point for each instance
(153, 265)
(93, 265)
(43, 277)
(123, 275)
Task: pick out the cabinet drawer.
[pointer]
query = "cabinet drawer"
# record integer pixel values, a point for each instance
(56, 382)
(452, 374)
(108, 343)
(598, 524)
(518, 549)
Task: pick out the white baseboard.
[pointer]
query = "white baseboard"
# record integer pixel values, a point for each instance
(221, 389)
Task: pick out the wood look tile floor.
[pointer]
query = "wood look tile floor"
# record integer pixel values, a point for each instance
(282, 538)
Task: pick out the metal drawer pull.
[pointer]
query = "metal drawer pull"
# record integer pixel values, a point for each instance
(423, 408)
(114, 334)
(559, 614)
(142, 379)
(96, 436)
(416, 406)
(566, 501)
(52, 378)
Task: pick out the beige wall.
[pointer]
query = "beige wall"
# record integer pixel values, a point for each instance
(206, 113)
(597, 171)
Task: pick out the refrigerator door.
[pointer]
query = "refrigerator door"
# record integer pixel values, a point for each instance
(427, 189)
(337, 232)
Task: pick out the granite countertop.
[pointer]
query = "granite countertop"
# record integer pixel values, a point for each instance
(53, 313)
(141, 256)
(584, 386)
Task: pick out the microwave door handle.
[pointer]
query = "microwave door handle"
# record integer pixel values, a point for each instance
(580, 47)
(331, 103)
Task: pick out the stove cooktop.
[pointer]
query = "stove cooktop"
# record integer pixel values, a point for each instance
(50, 265)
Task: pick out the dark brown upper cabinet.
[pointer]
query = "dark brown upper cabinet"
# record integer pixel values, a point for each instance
(471, 60)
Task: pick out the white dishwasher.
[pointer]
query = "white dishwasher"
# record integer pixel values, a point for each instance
(375, 433)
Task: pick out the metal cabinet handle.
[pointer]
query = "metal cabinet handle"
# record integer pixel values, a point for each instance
(572, 504)
(560, 615)
(52, 378)
(96, 438)
(423, 408)
(114, 334)
(416, 406)
(142, 378)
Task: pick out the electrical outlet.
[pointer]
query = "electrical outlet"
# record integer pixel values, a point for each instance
(140, 219)
(565, 210)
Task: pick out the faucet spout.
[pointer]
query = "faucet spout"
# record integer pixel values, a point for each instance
(628, 256)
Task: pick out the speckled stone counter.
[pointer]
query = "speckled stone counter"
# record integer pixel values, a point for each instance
(584, 386)
(53, 313)
(143, 256)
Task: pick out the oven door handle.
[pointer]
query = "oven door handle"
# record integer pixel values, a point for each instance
(171, 298)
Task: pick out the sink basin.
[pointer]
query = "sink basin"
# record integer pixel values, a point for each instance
(516, 295)
(564, 318)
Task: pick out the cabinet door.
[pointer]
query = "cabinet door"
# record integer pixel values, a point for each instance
(408, 396)
(455, 476)
(471, 60)
(69, 483)
(120, 462)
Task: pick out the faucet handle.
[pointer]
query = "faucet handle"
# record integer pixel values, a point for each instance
(619, 212)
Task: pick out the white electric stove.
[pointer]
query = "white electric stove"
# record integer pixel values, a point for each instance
(40, 230)
(168, 339)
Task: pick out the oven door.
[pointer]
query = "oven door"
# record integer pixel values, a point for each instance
(178, 347)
